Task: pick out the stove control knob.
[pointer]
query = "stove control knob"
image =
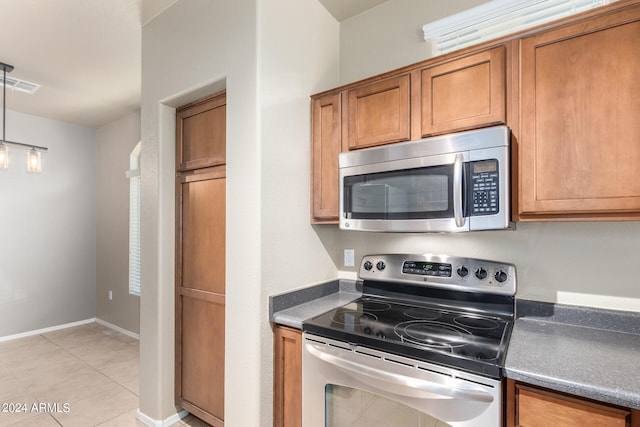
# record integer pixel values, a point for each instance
(368, 265)
(462, 271)
(380, 265)
(500, 276)
(481, 273)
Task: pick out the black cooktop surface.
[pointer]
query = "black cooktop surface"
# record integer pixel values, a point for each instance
(463, 339)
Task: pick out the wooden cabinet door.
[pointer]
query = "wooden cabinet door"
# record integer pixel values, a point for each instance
(379, 113)
(201, 130)
(465, 93)
(287, 374)
(535, 407)
(326, 141)
(200, 295)
(579, 120)
(200, 259)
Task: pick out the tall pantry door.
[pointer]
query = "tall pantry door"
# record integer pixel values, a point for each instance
(200, 258)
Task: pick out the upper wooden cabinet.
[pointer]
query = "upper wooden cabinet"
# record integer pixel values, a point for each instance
(378, 113)
(326, 142)
(464, 93)
(579, 139)
(201, 128)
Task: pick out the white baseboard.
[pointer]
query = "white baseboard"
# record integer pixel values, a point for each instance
(45, 330)
(160, 423)
(118, 328)
(70, 325)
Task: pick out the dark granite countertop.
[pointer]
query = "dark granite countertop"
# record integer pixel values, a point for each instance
(587, 352)
(292, 308)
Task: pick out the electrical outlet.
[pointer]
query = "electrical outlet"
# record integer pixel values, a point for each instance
(110, 295)
(349, 257)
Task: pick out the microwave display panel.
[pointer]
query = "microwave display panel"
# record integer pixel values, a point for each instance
(485, 188)
(404, 194)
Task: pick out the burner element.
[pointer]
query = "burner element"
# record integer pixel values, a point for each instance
(476, 322)
(433, 334)
(422, 314)
(353, 318)
(375, 306)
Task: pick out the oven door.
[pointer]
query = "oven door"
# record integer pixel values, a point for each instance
(346, 385)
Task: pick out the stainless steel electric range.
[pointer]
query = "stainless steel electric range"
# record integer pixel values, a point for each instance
(426, 341)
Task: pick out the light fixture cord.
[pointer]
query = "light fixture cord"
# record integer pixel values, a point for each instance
(4, 101)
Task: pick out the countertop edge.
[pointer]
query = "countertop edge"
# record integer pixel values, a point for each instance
(588, 391)
(294, 307)
(556, 321)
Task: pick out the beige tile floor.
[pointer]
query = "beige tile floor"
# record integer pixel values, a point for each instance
(82, 376)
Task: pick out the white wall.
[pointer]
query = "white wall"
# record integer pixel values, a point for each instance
(270, 57)
(115, 141)
(390, 36)
(48, 237)
(299, 50)
(574, 263)
(570, 263)
(193, 48)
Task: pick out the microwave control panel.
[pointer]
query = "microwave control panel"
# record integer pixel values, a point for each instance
(485, 194)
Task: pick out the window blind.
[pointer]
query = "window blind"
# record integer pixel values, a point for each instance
(134, 221)
(498, 18)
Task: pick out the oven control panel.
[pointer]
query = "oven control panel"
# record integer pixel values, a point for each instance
(442, 271)
(425, 268)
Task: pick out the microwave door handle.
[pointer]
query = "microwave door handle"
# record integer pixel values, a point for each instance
(457, 190)
(448, 390)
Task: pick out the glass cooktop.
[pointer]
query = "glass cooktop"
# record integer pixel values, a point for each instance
(462, 339)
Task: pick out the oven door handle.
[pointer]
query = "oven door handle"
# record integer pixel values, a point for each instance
(457, 190)
(447, 390)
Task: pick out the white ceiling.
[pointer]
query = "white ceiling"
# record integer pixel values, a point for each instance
(86, 54)
(344, 9)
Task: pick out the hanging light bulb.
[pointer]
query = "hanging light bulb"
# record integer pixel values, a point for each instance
(34, 161)
(4, 156)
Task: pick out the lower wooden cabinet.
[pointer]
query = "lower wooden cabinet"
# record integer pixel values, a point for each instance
(529, 406)
(287, 377)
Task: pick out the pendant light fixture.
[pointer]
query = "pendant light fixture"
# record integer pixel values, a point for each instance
(34, 158)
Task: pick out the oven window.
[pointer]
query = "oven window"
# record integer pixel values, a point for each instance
(420, 193)
(349, 407)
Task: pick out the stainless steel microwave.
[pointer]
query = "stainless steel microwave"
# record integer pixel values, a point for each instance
(450, 183)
